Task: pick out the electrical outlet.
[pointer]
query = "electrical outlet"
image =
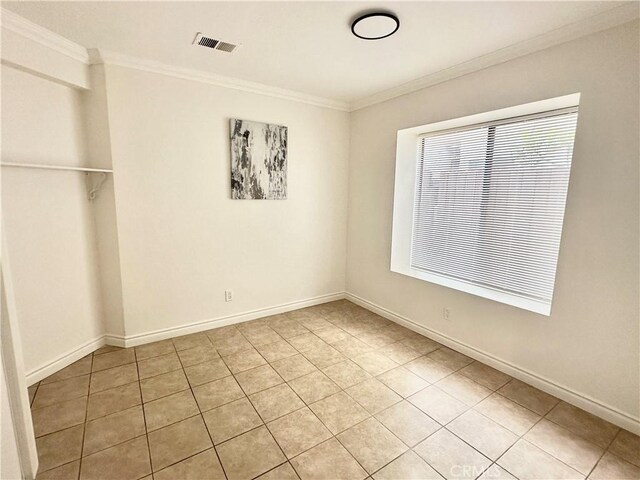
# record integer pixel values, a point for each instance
(446, 314)
(228, 295)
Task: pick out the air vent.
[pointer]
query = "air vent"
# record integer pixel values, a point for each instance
(214, 43)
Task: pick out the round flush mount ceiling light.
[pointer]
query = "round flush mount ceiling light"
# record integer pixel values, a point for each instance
(374, 26)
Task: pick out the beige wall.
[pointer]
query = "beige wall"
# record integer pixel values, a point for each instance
(182, 240)
(589, 344)
(47, 219)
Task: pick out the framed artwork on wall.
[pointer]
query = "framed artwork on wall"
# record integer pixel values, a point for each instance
(258, 160)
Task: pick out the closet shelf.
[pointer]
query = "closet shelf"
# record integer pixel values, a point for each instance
(56, 167)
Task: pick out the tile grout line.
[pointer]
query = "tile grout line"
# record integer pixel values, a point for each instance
(84, 425)
(144, 413)
(213, 445)
(397, 341)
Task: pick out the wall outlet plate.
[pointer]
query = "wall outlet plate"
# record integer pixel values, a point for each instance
(228, 295)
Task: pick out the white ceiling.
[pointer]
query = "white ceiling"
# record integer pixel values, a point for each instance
(307, 46)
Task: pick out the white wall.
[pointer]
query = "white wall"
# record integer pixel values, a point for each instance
(47, 219)
(589, 344)
(182, 240)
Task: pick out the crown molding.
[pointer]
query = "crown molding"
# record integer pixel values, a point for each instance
(611, 18)
(17, 24)
(100, 56)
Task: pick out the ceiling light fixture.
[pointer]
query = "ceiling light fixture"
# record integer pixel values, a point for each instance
(374, 26)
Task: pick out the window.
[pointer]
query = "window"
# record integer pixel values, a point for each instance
(487, 201)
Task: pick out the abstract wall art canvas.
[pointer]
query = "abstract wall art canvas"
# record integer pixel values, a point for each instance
(258, 160)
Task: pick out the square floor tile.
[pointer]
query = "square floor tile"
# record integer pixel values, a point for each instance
(528, 396)
(250, 454)
(507, 413)
(324, 356)
(257, 379)
(216, 393)
(178, 441)
(332, 335)
(194, 356)
(113, 359)
(313, 387)
(163, 385)
(371, 444)
(59, 448)
(485, 375)
(408, 423)
(402, 381)
(329, 460)
(112, 377)
(50, 393)
(374, 363)
(306, 342)
(206, 372)
(59, 416)
(262, 336)
(495, 472)
(464, 389)
(375, 338)
(399, 352)
(627, 446)
(451, 457)
(422, 344)
(613, 467)
(113, 429)
(157, 365)
(346, 374)
(171, 409)
(298, 431)
(586, 425)
(277, 350)
(154, 349)
(339, 412)
(204, 465)
(191, 341)
(483, 434)
(128, 460)
(63, 472)
(293, 367)
(352, 347)
(283, 472)
(231, 345)
(439, 405)
(428, 369)
(566, 446)
(76, 369)
(450, 358)
(275, 402)
(407, 466)
(231, 420)
(527, 462)
(245, 360)
(373, 395)
(113, 400)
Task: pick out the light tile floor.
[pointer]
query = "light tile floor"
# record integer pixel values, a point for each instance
(327, 392)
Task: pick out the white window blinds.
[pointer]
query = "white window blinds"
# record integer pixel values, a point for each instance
(490, 202)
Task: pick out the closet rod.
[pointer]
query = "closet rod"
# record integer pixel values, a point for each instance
(55, 167)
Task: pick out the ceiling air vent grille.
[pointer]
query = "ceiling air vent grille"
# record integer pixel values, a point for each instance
(214, 43)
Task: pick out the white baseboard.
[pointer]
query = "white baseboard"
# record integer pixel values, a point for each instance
(578, 399)
(156, 335)
(64, 360)
(148, 337)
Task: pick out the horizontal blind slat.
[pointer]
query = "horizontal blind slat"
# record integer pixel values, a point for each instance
(490, 202)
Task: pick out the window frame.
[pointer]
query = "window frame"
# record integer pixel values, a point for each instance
(407, 158)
